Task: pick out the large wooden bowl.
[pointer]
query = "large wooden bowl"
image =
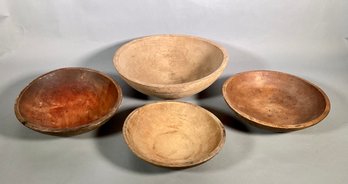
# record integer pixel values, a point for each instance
(276, 101)
(170, 66)
(68, 101)
(173, 134)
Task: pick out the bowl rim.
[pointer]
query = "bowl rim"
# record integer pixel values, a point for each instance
(119, 51)
(272, 126)
(74, 130)
(209, 156)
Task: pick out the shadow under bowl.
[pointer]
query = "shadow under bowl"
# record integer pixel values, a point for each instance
(276, 101)
(170, 66)
(173, 134)
(68, 101)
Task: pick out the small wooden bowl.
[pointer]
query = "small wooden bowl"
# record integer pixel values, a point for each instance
(276, 101)
(170, 66)
(68, 101)
(173, 134)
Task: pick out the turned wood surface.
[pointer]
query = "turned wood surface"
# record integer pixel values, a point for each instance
(275, 100)
(173, 134)
(68, 99)
(170, 66)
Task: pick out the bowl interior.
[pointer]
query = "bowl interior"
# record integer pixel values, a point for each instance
(67, 98)
(275, 98)
(168, 59)
(173, 134)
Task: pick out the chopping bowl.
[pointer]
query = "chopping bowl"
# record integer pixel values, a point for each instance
(173, 134)
(276, 101)
(68, 101)
(170, 66)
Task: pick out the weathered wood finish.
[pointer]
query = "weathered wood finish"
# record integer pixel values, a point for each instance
(68, 101)
(173, 134)
(170, 66)
(276, 101)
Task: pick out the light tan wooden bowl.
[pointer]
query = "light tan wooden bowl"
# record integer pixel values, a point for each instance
(276, 101)
(68, 101)
(173, 134)
(170, 66)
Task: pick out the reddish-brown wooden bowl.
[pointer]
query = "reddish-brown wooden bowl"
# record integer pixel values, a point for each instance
(276, 101)
(68, 101)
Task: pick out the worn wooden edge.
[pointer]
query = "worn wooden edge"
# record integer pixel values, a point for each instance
(169, 165)
(69, 131)
(269, 126)
(220, 69)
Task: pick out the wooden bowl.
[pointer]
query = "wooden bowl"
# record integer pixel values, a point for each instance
(276, 101)
(68, 101)
(170, 66)
(173, 134)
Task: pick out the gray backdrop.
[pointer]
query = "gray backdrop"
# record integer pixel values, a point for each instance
(306, 38)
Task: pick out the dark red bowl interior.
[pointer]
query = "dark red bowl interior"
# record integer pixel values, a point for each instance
(67, 98)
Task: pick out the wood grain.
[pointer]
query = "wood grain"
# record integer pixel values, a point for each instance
(276, 101)
(173, 134)
(170, 66)
(68, 101)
